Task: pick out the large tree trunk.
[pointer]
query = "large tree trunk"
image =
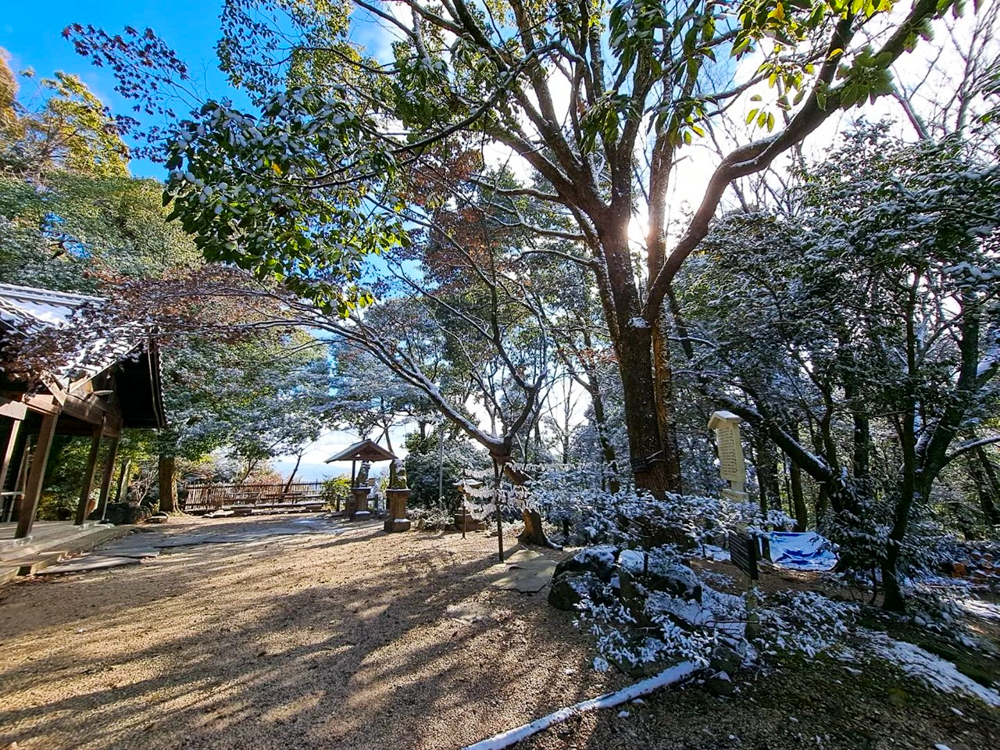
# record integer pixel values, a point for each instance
(123, 480)
(988, 487)
(168, 483)
(663, 383)
(653, 462)
(533, 532)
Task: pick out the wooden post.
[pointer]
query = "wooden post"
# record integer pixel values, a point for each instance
(36, 476)
(22, 473)
(109, 472)
(88, 475)
(8, 455)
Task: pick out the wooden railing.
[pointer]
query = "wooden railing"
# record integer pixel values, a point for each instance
(209, 497)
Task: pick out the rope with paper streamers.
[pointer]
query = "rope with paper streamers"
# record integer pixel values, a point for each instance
(481, 496)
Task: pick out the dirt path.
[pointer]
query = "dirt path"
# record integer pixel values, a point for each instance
(325, 639)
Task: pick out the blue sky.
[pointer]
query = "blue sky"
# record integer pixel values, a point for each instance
(32, 34)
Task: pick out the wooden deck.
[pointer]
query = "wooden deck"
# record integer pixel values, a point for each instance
(49, 543)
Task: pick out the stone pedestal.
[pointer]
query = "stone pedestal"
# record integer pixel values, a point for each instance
(397, 520)
(464, 520)
(357, 505)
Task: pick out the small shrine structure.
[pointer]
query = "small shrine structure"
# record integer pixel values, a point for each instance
(367, 452)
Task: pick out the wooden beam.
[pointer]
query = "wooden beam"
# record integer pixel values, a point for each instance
(91, 410)
(36, 477)
(13, 409)
(88, 476)
(109, 472)
(43, 403)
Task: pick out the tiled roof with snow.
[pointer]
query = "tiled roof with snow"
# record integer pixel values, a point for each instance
(29, 310)
(25, 307)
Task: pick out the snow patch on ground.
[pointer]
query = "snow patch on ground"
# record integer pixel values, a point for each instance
(691, 612)
(716, 553)
(980, 608)
(933, 670)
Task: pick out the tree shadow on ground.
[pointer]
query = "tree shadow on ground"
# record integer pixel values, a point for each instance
(313, 642)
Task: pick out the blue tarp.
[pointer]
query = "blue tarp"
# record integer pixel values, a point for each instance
(805, 550)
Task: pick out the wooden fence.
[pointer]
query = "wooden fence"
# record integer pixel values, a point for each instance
(301, 496)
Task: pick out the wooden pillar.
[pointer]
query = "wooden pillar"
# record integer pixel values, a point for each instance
(36, 477)
(21, 478)
(8, 456)
(109, 472)
(88, 475)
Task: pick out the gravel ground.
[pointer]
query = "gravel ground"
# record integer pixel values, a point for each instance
(319, 640)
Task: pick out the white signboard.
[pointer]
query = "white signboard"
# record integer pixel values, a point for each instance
(727, 435)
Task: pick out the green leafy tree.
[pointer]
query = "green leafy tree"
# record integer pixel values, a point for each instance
(63, 126)
(345, 141)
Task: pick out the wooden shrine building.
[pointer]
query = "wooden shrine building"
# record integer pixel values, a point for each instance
(114, 384)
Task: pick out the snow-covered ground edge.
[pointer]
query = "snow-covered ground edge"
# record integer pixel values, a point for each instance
(929, 668)
(667, 677)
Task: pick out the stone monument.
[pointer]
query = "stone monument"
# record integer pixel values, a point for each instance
(357, 508)
(396, 496)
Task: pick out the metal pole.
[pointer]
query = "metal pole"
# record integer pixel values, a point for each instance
(496, 504)
(441, 466)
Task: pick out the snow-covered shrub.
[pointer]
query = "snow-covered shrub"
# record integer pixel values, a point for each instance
(430, 519)
(863, 535)
(577, 495)
(804, 621)
(651, 607)
(637, 621)
(656, 634)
